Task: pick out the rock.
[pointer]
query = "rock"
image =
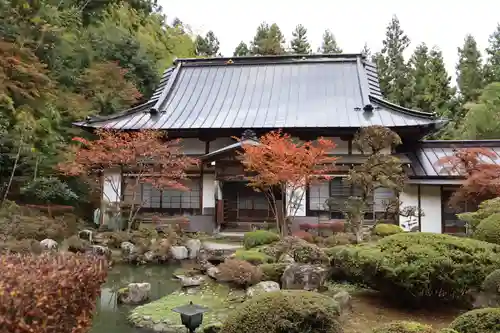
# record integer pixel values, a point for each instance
(217, 251)
(287, 259)
(149, 256)
(101, 250)
(303, 276)
(213, 272)
(345, 301)
(263, 287)
(49, 244)
(135, 293)
(179, 252)
(191, 281)
(127, 248)
(86, 235)
(193, 246)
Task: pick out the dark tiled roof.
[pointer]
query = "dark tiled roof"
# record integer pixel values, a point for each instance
(267, 92)
(425, 161)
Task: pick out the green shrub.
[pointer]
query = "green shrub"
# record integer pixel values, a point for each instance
(340, 238)
(385, 229)
(285, 311)
(76, 245)
(417, 267)
(253, 256)
(491, 283)
(485, 320)
(239, 272)
(272, 272)
(404, 327)
(259, 237)
(488, 230)
(486, 208)
(300, 250)
(308, 237)
(49, 294)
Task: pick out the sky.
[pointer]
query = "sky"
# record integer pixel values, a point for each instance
(443, 23)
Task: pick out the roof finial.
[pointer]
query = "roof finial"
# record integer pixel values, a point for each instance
(248, 134)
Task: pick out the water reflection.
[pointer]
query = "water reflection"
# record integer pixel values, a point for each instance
(110, 317)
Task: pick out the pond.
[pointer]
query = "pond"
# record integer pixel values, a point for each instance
(110, 317)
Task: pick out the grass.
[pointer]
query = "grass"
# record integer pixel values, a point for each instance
(370, 310)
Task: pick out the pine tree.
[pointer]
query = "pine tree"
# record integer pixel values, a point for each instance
(492, 66)
(299, 43)
(241, 50)
(438, 86)
(329, 44)
(366, 52)
(268, 40)
(395, 83)
(420, 75)
(382, 69)
(469, 70)
(207, 46)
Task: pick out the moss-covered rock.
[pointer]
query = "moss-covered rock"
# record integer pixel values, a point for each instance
(285, 311)
(158, 315)
(259, 237)
(254, 257)
(273, 272)
(478, 321)
(404, 327)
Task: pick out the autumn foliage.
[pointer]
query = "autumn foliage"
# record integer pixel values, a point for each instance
(280, 162)
(482, 176)
(49, 294)
(145, 154)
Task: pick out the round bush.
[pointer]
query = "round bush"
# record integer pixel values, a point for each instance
(273, 272)
(491, 283)
(254, 257)
(485, 320)
(418, 267)
(259, 237)
(385, 229)
(308, 237)
(404, 327)
(239, 272)
(300, 250)
(488, 229)
(285, 311)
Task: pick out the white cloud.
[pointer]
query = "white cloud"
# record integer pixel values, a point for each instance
(437, 22)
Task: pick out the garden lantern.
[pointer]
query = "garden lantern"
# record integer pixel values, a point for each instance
(191, 315)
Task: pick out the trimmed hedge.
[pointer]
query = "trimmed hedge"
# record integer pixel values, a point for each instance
(49, 294)
(491, 283)
(485, 320)
(417, 267)
(273, 272)
(488, 230)
(285, 311)
(385, 229)
(404, 327)
(253, 256)
(300, 250)
(259, 237)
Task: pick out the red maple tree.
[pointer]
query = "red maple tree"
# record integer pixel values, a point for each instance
(482, 177)
(146, 156)
(280, 164)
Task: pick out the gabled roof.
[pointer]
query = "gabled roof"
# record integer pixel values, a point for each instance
(313, 91)
(425, 161)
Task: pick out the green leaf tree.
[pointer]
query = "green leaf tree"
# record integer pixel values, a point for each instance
(207, 46)
(329, 44)
(268, 40)
(241, 50)
(299, 44)
(470, 78)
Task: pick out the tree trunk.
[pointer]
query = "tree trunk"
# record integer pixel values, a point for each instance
(9, 184)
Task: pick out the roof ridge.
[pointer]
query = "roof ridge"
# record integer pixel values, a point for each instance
(126, 112)
(273, 57)
(403, 109)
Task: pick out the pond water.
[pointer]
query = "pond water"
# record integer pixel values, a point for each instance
(110, 317)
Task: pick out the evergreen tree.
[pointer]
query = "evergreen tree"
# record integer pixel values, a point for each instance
(241, 50)
(207, 46)
(366, 52)
(492, 66)
(469, 70)
(420, 76)
(329, 44)
(268, 40)
(395, 82)
(299, 43)
(382, 69)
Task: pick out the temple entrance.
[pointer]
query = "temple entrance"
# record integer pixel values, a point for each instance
(243, 204)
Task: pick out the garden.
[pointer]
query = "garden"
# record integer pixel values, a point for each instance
(61, 275)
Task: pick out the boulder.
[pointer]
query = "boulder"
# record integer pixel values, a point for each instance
(345, 301)
(304, 276)
(179, 252)
(127, 248)
(49, 244)
(101, 250)
(134, 293)
(262, 287)
(149, 256)
(286, 259)
(213, 271)
(192, 281)
(193, 246)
